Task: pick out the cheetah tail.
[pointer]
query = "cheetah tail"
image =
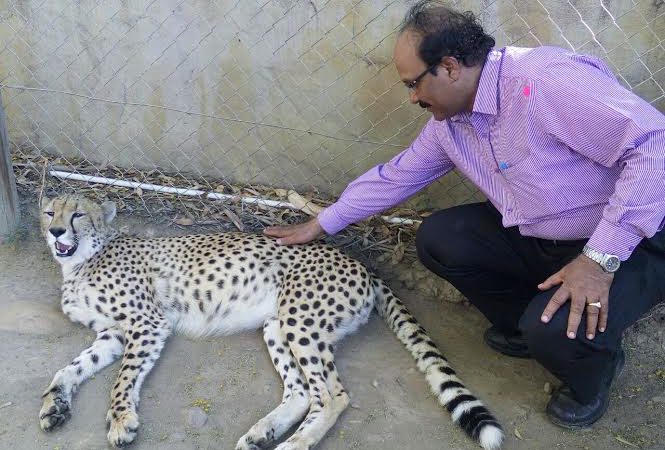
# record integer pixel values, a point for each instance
(466, 410)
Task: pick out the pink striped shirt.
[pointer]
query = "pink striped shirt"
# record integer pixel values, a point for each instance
(554, 142)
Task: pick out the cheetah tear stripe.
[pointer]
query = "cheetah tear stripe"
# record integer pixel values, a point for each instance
(465, 409)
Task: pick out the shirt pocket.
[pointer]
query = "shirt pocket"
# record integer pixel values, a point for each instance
(514, 125)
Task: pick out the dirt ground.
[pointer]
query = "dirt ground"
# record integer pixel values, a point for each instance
(206, 394)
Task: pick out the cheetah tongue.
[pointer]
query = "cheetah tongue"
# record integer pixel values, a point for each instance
(62, 248)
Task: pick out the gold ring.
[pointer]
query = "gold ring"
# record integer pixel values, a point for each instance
(596, 304)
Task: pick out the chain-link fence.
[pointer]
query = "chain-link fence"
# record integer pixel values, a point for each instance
(185, 106)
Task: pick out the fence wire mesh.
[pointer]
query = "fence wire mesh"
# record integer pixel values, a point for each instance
(254, 98)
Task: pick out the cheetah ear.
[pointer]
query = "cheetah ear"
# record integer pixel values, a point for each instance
(108, 208)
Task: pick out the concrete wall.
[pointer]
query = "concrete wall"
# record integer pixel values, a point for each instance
(323, 66)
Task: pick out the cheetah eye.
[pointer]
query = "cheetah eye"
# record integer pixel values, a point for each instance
(49, 213)
(76, 215)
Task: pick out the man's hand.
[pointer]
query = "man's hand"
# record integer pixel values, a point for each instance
(296, 234)
(582, 281)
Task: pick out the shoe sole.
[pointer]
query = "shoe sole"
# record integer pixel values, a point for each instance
(567, 426)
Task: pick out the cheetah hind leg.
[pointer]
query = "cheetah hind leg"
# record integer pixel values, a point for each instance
(328, 398)
(295, 399)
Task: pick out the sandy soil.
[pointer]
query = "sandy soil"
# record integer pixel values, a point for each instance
(232, 378)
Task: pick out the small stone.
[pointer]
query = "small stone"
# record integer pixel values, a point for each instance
(375, 383)
(196, 417)
(547, 388)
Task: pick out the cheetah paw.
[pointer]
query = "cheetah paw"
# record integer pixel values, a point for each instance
(255, 439)
(55, 409)
(241, 445)
(122, 427)
(293, 445)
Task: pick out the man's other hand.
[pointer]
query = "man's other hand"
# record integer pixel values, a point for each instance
(583, 282)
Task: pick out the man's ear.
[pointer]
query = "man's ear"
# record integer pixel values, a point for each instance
(450, 67)
(109, 210)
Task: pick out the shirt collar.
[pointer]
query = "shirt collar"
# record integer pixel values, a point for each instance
(486, 101)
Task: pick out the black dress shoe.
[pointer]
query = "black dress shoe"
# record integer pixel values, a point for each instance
(514, 345)
(563, 410)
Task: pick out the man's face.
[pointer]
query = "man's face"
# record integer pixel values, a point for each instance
(437, 93)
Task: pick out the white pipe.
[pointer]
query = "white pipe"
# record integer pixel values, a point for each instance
(195, 193)
(400, 220)
(166, 189)
(250, 200)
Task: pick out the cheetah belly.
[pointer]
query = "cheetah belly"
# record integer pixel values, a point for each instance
(227, 313)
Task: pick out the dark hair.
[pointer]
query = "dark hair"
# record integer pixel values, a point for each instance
(446, 32)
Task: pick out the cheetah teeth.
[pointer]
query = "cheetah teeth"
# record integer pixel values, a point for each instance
(64, 250)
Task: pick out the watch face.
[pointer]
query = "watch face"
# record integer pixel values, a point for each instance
(612, 264)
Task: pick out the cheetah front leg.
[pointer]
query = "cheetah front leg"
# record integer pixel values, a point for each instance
(106, 348)
(144, 345)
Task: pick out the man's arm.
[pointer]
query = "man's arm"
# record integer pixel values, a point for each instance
(380, 188)
(389, 184)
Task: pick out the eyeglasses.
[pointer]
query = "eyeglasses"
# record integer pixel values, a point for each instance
(413, 84)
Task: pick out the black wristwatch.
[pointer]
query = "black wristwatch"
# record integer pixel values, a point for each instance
(609, 263)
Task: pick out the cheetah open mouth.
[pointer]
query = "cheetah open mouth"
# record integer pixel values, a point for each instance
(63, 250)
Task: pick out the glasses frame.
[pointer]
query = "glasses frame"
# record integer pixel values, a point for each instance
(413, 84)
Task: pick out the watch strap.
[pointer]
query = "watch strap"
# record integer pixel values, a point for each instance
(609, 263)
(594, 255)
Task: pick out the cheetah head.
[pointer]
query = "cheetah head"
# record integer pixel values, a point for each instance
(74, 226)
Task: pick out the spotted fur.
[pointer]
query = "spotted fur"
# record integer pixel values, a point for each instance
(134, 293)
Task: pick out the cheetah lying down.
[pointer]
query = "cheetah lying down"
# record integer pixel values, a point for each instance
(135, 292)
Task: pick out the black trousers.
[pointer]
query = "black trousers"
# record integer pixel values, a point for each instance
(498, 270)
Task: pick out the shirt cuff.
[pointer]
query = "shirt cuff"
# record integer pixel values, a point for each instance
(330, 220)
(612, 239)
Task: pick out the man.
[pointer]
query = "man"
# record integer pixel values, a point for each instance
(567, 252)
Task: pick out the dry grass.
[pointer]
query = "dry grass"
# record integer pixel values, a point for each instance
(374, 238)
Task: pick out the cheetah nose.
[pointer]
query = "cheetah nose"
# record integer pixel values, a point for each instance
(57, 232)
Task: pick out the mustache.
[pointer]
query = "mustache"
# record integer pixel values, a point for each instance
(424, 105)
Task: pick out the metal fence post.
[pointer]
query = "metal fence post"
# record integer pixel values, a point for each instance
(9, 212)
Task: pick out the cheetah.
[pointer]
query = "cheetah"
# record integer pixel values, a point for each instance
(134, 293)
